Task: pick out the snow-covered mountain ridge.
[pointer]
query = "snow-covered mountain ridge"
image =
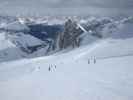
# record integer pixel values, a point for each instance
(34, 37)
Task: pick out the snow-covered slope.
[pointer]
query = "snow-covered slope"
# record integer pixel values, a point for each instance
(100, 71)
(8, 50)
(15, 46)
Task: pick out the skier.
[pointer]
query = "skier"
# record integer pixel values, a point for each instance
(94, 60)
(88, 61)
(49, 69)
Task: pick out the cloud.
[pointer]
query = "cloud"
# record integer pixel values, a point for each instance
(73, 3)
(97, 3)
(65, 6)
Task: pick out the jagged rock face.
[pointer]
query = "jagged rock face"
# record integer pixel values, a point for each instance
(47, 33)
(70, 35)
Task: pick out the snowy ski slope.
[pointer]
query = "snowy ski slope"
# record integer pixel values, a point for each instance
(70, 76)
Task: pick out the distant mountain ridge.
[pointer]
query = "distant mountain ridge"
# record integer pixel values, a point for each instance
(34, 37)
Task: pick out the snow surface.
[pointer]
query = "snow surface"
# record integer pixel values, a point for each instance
(8, 50)
(4, 43)
(10, 46)
(74, 75)
(14, 26)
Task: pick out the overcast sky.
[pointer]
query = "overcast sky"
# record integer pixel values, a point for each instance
(21, 6)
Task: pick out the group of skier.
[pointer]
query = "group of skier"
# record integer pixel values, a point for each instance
(92, 60)
(51, 67)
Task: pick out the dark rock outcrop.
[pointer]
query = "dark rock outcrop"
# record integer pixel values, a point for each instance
(69, 37)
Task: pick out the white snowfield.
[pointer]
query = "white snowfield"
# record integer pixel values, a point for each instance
(10, 46)
(101, 71)
(8, 50)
